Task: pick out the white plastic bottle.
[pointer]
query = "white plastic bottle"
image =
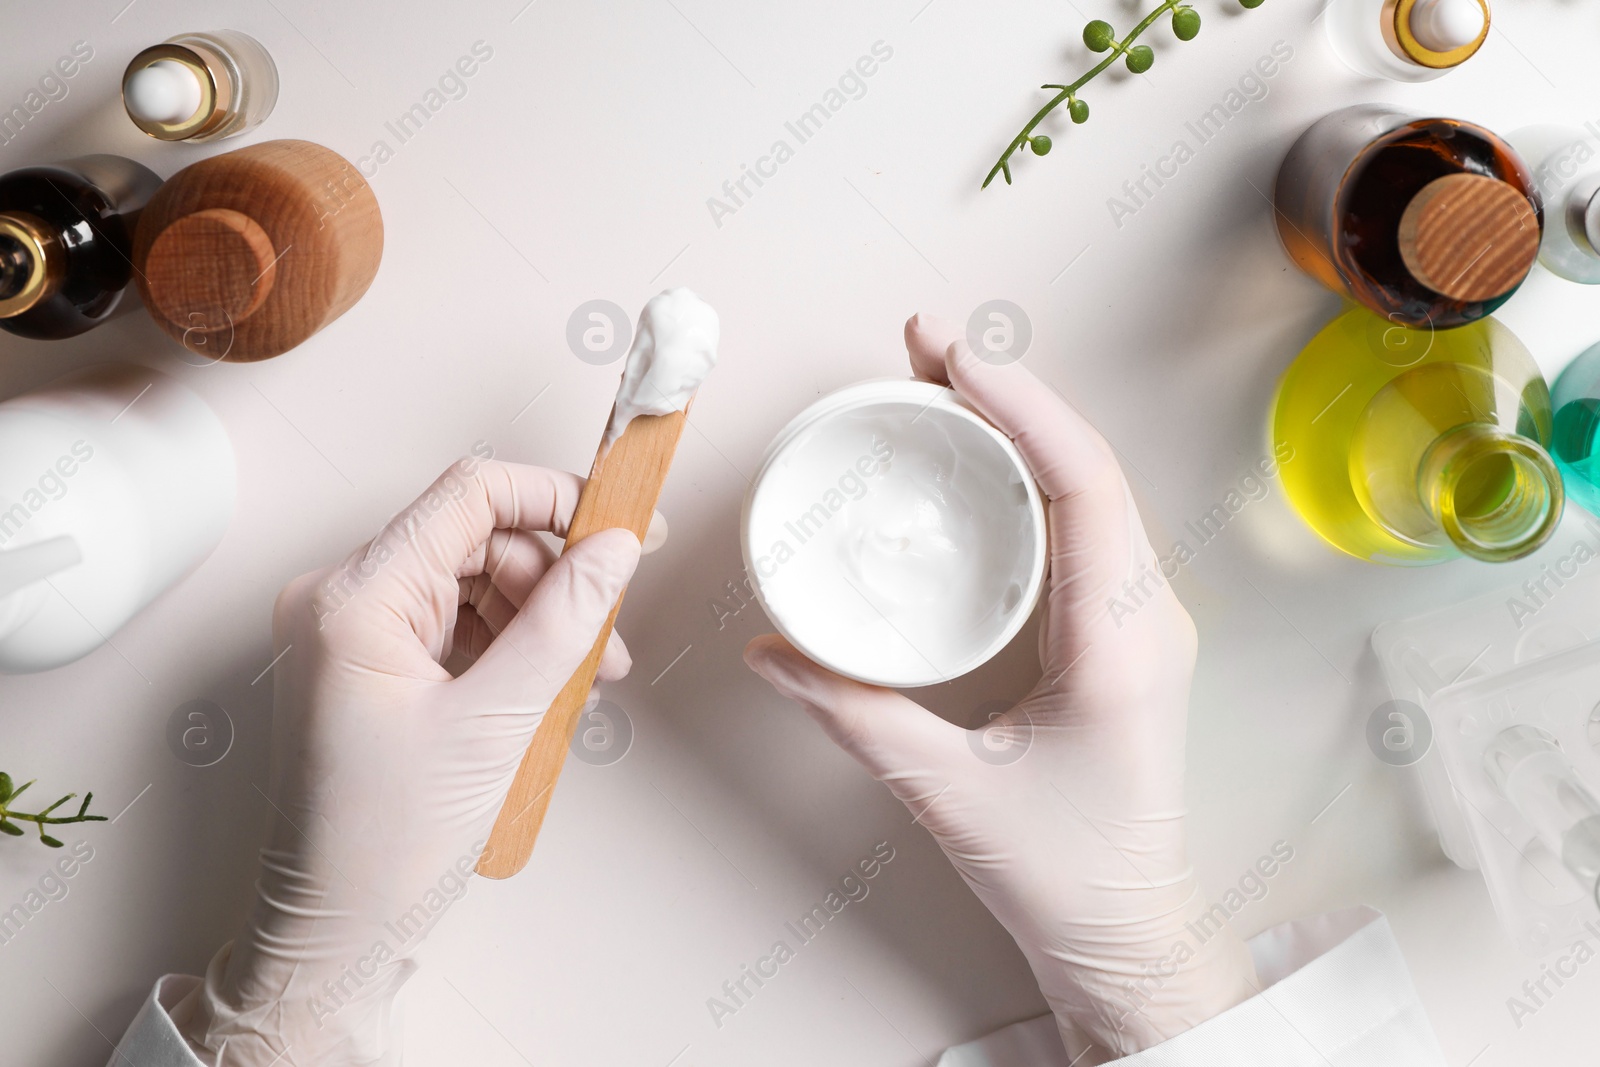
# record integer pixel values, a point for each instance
(1407, 40)
(116, 481)
(1565, 161)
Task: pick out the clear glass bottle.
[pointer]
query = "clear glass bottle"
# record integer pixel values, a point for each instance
(201, 86)
(1565, 162)
(66, 243)
(1427, 221)
(1414, 447)
(1407, 40)
(1529, 769)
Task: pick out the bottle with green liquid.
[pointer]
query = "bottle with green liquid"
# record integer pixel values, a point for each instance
(1413, 447)
(1577, 428)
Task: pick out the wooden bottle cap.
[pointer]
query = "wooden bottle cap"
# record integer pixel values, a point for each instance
(246, 255)
(214, 266)
(1469, 237)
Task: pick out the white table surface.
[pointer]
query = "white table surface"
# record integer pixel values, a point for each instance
(578, 166)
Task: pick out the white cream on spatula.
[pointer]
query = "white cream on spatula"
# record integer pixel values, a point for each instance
(674, 348)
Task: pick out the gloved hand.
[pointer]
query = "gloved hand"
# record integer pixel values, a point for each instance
(387, 773)
(1077, 847)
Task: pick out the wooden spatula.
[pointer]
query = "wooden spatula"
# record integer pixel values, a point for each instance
(624, 485)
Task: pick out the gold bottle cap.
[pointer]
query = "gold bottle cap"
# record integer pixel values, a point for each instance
(1402, 39)
(1469, 237)
(32, 249)
(214, 91)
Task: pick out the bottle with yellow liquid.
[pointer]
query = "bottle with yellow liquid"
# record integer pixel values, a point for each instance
(1413, 447)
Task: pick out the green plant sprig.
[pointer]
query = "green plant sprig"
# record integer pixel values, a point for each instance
(1099, 36)
(10, 818)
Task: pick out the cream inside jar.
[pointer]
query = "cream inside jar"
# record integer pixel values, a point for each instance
(895, 536)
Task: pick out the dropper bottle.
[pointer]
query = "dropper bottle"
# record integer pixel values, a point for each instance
(1407, 40)
(1565, 162)
(201, 86)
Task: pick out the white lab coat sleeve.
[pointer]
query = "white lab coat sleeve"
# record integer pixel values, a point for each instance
(153, 1040)
(1335, 992)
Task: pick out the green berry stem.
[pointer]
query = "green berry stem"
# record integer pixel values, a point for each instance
(1067, 94)
(10, 818)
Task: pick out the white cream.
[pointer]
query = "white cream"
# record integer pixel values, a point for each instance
(674, 349)
(894, 536)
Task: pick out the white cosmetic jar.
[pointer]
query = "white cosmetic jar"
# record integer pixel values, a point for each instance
(894, 536)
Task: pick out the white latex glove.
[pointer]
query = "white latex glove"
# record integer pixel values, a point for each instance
(1078, 846)
(387, 774)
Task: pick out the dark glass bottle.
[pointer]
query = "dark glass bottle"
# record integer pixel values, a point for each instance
(66, 243)
(1359, 208)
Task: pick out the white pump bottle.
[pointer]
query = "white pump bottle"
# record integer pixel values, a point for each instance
(116, 481)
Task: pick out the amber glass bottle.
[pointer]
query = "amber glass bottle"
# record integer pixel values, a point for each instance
(66, 243)
(1431, 223)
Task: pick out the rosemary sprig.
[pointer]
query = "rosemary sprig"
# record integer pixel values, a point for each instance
(1100, 37)
(9, 818)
